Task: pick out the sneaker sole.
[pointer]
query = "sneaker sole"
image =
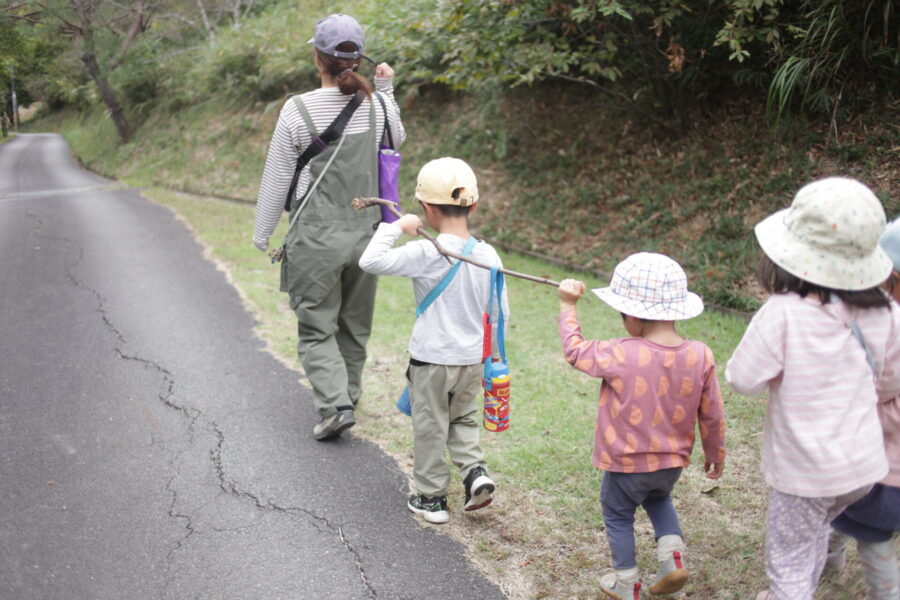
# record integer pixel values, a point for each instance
(481, 497)
(437, 519)
(671, 583)
(346, 424)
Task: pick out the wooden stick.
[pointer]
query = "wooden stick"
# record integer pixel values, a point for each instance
(361, 203)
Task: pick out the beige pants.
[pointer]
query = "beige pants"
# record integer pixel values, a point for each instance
(445, 413)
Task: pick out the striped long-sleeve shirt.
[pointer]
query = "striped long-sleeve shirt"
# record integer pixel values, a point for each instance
(291, 137)
(822, 436)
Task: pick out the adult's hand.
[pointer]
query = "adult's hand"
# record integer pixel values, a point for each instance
(384, 70)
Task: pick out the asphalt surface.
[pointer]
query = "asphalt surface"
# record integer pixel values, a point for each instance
(149, 447)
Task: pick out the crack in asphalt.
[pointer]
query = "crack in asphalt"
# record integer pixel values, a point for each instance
(188, 520)
(101, 301)
(194, 415)
(231, 488)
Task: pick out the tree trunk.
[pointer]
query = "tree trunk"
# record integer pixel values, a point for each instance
(108, 95)
(209, 30)
(93, 68)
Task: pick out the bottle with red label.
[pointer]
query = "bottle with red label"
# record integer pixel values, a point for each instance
(496, 398)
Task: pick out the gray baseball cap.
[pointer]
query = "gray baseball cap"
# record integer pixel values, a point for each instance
(333, 30)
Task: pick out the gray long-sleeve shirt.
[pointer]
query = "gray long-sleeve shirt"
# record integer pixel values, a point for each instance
(451, 330)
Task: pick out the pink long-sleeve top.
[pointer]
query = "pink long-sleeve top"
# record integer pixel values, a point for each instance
(889, 412)
(651, 398)
(822, 436)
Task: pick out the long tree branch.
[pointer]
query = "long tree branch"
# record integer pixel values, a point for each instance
(360, 203)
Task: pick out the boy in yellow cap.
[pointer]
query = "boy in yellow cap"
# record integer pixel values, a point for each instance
(445, 349)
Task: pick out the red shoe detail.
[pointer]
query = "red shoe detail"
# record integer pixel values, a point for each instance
(637, 591)
(677, 557)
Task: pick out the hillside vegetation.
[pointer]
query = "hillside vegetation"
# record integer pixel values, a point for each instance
(596, 128)
(566, 170)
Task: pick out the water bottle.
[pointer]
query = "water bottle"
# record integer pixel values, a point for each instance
(496, 399)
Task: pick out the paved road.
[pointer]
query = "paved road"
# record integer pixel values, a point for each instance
(149, 448)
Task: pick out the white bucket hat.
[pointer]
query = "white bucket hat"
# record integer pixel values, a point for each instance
(651, 286)
(441, 177)
(829, 236)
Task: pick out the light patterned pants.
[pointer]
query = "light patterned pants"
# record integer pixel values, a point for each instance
(797, 531)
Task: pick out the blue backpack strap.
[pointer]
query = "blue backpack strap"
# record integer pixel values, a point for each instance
(496, 290)
(443, 283)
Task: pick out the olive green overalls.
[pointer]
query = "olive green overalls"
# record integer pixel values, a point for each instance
(332, 297)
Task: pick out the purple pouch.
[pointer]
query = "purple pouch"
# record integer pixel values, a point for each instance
(388, 176)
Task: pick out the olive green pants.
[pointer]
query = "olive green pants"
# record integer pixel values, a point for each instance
(331, 339)
(445, 414)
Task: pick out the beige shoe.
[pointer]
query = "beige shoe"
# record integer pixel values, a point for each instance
(671, 576)
(672, 573)
(613, 586)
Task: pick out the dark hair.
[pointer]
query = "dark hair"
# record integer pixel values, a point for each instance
(638, 318)
(776, 280)
(343, 70)
(452, 210)
(893, 281)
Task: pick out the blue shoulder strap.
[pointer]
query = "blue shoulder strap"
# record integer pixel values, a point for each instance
(496, 290)
(443, 283)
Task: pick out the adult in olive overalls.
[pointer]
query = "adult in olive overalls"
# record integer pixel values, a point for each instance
(331, 296)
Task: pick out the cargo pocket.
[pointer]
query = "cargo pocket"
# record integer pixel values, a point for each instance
(309, 275)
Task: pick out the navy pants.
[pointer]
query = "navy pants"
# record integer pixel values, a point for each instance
(621, 494)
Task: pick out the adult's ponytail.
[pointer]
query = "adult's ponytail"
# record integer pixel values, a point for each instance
(343, 70)
(350, 82)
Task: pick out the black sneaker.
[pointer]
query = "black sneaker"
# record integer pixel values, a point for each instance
(479, 488)
(332, 426)
(433, 509)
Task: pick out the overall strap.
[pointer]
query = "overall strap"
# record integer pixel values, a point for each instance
(443, 283)
(319, 142)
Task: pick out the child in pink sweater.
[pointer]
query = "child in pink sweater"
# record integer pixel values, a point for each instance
(656, 386)
(826, 346)
(874, 520)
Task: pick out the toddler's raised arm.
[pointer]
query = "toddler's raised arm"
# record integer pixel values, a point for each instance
(711, 417)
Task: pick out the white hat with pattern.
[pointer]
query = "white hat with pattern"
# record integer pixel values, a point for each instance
(651, 286)
(829, 236)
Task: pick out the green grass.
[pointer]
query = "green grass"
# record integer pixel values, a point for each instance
(543, 537)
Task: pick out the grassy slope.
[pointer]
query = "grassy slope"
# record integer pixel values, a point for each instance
(544, 538)
(562, 178)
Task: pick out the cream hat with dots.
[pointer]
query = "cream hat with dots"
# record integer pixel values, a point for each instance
(829, 236)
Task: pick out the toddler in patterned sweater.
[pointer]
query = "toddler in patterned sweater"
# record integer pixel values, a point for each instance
(656, 387)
